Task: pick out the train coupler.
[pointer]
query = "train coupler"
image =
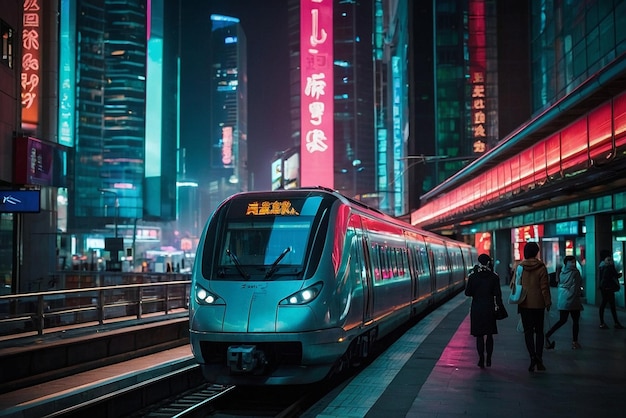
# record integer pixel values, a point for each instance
(245, 359)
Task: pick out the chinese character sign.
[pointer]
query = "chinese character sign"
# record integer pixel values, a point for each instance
(31, 47)
(271, 208)
(478, 65)
(316, 105)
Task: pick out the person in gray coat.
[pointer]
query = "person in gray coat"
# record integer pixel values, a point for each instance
(569, 303)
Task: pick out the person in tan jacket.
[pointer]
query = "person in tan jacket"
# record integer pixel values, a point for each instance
(537, 285)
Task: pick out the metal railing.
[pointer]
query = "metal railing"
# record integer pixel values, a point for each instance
(38, 312)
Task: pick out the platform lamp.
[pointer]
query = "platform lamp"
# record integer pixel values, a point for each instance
(117, 206)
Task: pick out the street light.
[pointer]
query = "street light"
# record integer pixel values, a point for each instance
(423, 159)
(356, 167)
(117, 206)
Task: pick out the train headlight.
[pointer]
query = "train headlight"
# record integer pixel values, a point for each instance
(303, 296)
(204, 297)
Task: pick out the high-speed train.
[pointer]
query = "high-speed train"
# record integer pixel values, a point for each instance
(291, 286)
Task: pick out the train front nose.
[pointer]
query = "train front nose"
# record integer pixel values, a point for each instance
(255, 307)
(251, 308)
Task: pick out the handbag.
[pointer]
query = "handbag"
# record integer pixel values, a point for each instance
(610, 284)
(518, 293)
(499, 311)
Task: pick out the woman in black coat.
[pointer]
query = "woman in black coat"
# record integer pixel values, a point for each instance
(483, 285)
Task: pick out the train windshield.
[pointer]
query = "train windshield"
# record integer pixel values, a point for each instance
(266, 240)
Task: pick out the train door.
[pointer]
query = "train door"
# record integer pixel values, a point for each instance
(432, 268)
(419, 261)
(414, 269)
(368, 286)
(362, 257)
(447, 273)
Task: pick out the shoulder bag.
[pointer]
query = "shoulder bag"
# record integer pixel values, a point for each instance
(499, 311)
(518, 293)
(608, 281)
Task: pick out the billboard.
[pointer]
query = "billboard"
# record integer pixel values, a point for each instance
(39, 163)
(291, 172)
(277, 174)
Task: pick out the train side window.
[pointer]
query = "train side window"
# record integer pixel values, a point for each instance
(424, 263)
(376, 262)
(356, 262)
(404, 263)
(414, 261)
(419, 261)
(387, 269)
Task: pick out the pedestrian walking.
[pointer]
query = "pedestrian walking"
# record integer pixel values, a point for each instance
(537, 286)
(568, 303)
(483, 285)
(608, 285)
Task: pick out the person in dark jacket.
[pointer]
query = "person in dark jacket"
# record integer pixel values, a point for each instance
(483, 285)
(609, 284)
(569, 287)
(537, 285)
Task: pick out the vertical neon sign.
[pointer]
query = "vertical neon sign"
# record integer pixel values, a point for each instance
(478, 66)
(316, 92)
(67, 72)
(31, 65)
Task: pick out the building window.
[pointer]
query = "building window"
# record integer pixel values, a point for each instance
(7, 43)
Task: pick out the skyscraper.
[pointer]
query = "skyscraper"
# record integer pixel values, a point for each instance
(125, 130)
(228, 121)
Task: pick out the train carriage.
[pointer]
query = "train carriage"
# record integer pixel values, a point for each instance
(290, 286)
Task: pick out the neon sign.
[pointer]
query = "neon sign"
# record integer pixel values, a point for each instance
(316, 83)
(31, 43)
(478, 65)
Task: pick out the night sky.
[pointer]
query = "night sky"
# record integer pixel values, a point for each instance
(265, 25)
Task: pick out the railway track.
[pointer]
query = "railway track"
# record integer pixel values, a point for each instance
(184, 390)
(184, 393)
(196, 402)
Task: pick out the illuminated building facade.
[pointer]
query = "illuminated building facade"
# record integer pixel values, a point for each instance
(214, 127)
(454, 88)
(124, 128)
(228, 119)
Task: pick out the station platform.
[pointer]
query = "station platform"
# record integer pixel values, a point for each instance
(431, 371)
(51, 397)
(44, 374)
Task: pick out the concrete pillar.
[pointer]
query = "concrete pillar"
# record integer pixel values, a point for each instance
(502, 253)
(597, 238)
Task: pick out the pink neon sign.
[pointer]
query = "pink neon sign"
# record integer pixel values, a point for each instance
(31, 60)
(316, 92)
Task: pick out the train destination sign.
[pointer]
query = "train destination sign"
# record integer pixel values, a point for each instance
(271, 208)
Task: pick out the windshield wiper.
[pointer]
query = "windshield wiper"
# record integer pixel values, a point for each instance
(240, 268)
(274, 265)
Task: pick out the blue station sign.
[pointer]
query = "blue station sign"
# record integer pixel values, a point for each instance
(20, 201)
